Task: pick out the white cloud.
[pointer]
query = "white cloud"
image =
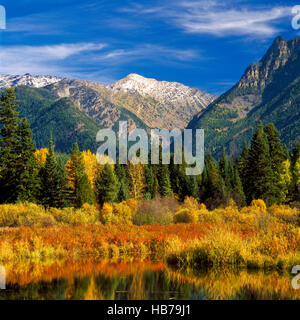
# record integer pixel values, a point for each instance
(244, 22)
(148, 52)
(219, 18)
(48, 59)
(91, 60)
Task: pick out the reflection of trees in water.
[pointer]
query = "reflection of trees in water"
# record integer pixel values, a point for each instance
(137, 287)
(55, 290)
(144, 280)
(237, 284)
(77, 288)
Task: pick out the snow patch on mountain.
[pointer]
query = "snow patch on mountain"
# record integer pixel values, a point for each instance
(7, 81)
(162, 91)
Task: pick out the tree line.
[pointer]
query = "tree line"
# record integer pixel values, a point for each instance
(265, 170)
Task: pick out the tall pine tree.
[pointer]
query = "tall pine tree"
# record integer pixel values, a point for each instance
(53, 181)
(81, 190)
(224, 169)
(107, 185)
(277, 157)
(18, 165)
(260, 176)
(213, 184)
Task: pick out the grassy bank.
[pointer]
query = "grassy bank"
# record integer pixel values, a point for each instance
(251, 237)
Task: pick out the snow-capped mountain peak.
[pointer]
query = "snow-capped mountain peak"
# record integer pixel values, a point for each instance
(27, 79)
(162, 91)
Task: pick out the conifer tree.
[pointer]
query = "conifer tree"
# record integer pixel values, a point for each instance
(150, 182)
(204, 183)
(85, 193)
(277, 157)
(164, 181)
(238, 192)
(295, 154)
(215, 192)
(231, 173)
(181, 184)
(276, 149)
(296, 179)
(174, 175)
(53, 182)
(224, 169)
(29, 184)
(121, 174)
(107, 185)
(261, 181)
(18, 165)
(295, 168)
(192, 186)
(123, 194)
(81, 189)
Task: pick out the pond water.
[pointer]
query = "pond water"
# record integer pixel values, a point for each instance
(136, 280)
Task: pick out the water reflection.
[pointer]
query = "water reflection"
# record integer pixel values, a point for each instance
(91, 280)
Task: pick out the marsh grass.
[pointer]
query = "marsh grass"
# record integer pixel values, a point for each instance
(254, 237)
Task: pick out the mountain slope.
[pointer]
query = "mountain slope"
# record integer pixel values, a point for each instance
(268, 91)
(93, 99)
(143, 102)
(160, 104)
(74, 110)
(48, 114)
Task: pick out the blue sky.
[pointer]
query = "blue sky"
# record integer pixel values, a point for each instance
(204, 44)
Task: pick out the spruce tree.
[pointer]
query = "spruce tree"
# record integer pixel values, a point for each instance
(237, 190)
(150, 182)
(121, 174)
(261, 178)
(53, 181)
(181, 184)
(107, 185)
(81, 189)
(231, 168)
(29, 184)
(174, 175)
(224, 169)
(295, 154)
(276, 149)
(295, 167)
(123, 194)
(18, 165)
(277, 157)
(164, 181)
(215, 191)
(192, 186)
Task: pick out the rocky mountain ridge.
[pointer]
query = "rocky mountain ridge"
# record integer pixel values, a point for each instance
(269, 91)
(159, 104)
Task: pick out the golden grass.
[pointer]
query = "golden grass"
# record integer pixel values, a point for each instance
(251, 237)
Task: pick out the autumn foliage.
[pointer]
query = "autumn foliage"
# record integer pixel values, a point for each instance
(253, 237)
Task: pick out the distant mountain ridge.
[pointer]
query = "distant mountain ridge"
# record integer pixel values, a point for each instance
(79, 108)
(159, 104)
(26, 80)
(170, 98)
(269, 91)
